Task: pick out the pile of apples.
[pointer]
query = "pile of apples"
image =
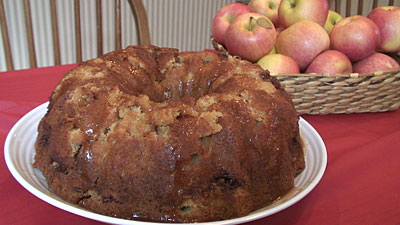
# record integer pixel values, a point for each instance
(293, 36)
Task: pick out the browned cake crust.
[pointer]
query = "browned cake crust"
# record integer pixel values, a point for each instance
(152, 134)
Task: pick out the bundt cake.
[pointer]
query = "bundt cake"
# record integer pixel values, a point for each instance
(155, 134)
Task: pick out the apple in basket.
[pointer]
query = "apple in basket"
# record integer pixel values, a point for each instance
(355, 36)
(303, 41)
(332, 20)
(387, 18)
(292, 11)
(250, 36)
(225, 17)
(278, 63)
(376, 62)
(331, 62)
(268, 8)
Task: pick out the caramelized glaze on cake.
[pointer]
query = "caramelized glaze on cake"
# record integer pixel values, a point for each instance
(154, 134)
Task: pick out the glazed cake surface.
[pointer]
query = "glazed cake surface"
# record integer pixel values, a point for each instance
(155, 134)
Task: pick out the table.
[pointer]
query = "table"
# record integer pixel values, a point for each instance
(361, 184)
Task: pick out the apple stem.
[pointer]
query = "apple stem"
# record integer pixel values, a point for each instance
(293, 4)
(251, 24)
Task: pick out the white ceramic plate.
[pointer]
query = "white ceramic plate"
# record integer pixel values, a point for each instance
(19, 154)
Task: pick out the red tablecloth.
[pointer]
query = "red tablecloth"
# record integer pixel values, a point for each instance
(361, 184)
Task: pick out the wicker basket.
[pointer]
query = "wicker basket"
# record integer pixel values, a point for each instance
(340, 93)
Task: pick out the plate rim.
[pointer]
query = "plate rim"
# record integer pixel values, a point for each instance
(75, 209)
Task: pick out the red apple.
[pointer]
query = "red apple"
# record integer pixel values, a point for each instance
(332, 20)
(292, 11)
(250, 36)
(278, 63)
(387, 18)
(376, 62)
(268, 8)
(225, 17)
(331, 62)
(303, 41)
(355, 36)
